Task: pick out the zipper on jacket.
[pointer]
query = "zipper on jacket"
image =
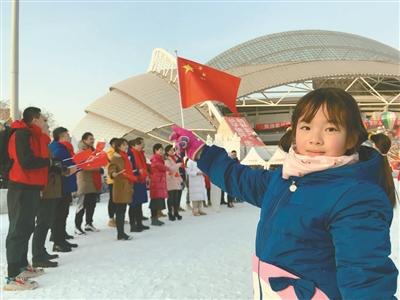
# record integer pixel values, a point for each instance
(292, 188)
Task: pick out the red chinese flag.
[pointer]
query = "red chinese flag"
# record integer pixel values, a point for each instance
(95, 162)
(100, 147)
(199, 83)
(82, 156)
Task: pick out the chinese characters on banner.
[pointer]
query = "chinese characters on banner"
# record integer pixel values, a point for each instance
(244, 130)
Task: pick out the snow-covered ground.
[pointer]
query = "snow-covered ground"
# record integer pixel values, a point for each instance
(197, 258)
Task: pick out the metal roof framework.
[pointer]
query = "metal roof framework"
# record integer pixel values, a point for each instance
(276, 70)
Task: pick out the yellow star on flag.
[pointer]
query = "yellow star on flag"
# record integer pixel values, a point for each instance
(188, 68)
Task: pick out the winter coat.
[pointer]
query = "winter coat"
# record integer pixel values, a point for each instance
(122, 189)
(140, 188)
(197, 185)
(60, 152)
(28, 149)
(331, 228)
(85, 178)
(174, 179)
(158, 180)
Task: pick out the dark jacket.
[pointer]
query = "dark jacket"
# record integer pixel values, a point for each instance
(28, 149)
(332, 231)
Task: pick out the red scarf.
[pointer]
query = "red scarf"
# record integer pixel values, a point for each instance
(69, 147)
(140, 161)
(128, 167)
(96, 176)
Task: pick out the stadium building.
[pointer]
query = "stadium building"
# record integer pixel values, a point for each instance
(276, 70)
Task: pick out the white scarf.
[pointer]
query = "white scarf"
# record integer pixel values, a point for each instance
(300, 165)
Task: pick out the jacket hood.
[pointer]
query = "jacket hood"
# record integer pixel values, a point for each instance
(368, 168)
(83, 146)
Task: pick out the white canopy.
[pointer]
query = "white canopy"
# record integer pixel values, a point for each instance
(277, 158)
(253, 158)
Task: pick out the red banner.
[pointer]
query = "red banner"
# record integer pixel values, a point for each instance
(244, 130)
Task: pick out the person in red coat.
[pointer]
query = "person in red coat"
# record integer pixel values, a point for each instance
(158, 184)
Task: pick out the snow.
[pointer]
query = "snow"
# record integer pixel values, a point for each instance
(198, 257)
(206, 257)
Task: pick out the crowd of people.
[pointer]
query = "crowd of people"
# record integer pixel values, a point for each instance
(324, 228)
(44, 178)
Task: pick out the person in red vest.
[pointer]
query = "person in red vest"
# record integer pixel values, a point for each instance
(28, 149)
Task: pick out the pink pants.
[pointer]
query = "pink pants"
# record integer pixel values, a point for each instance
(274, 283)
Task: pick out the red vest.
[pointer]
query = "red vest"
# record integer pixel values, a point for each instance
(39, 145)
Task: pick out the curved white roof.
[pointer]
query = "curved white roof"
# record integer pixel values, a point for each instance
(148, 104)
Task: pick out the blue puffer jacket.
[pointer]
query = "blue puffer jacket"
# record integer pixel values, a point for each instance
(333, 230)
(60, 152)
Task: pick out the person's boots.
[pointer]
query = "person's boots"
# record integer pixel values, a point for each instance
(176, 213)
(136, 228)
(171, 217)
(139, 222)
(156, 222)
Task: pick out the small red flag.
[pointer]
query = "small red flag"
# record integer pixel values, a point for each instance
(82, 156)
(94, 162)
(100, 147)
(199, 83)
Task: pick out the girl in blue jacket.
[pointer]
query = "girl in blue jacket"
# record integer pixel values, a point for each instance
(325, 214)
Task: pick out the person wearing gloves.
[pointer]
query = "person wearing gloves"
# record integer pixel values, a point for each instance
(325, 214)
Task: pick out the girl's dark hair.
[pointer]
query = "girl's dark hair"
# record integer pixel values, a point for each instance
(113, 140)
(118, 143)
(166, 150)
(137, 141)
(342, 110)
(156, 147)
(383, 143)
(86, 135)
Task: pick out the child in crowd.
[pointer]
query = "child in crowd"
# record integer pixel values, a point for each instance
(120, 171)
(174, 183)
(158, 184)
(197, 188)
(325, 214)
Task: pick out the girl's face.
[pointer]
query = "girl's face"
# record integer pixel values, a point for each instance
(124, 147)
(160, 151)
(320, 137)
(171, 152)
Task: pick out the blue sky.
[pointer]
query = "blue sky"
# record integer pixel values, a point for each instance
(71, 52)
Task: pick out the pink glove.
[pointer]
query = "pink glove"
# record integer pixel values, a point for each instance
(186, 140)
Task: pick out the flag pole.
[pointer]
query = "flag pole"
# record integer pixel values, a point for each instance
(179, 90)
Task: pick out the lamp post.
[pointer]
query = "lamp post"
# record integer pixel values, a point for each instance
(14, 109)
